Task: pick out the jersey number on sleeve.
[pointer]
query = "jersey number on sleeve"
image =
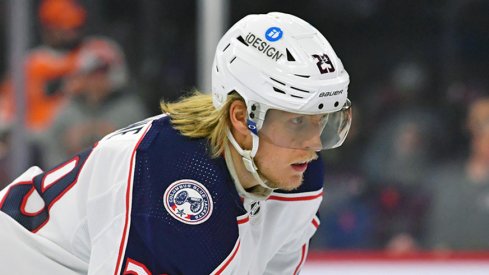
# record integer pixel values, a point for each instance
(29, 202)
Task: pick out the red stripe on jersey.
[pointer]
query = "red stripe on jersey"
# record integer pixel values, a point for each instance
(315, 222)
(128, 205)
(303, 255)
(244, 220)
(298, 198)
(228, 261)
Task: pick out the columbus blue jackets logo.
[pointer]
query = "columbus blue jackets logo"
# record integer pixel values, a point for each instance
(188, 201)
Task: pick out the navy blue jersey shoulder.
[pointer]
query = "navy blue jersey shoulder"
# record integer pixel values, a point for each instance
(313, 178)
(158, 239)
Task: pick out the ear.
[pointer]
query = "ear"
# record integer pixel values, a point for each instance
(238, 116)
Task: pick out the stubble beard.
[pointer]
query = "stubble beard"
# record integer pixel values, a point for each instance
(284, 184)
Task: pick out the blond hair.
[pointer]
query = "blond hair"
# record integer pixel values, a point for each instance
(196, 117)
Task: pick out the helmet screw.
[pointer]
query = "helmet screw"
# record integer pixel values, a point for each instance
(253, 107)
(252, 115)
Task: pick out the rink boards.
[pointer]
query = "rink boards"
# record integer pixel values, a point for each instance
(419, 263)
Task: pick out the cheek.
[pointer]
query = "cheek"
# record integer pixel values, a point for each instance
(269, 153)
(273, 161)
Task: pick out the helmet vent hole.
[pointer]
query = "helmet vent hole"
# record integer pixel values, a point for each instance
(336, 104)
(277, 81)
(217, 69)
(278, 90)
(300, 90)
(226, 47)
(290, 57)
(304, 76)
(241, 39)
(320, 106)
(296, 96)
(232, 60)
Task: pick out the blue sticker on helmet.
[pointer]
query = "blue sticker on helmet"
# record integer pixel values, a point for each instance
(273, 34)
(252, 126)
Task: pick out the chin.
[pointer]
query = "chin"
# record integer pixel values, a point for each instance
(288, 184)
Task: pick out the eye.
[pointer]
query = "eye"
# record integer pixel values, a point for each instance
(297, 120)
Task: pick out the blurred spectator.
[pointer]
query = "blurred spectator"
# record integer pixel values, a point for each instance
(402, 195)
(406, 85)
(459, 216)
(62, 22)
(346, 212)
(399, 156)
(401, 151)
(100, 102)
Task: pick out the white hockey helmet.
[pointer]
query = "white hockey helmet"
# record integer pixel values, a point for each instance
(278, 61)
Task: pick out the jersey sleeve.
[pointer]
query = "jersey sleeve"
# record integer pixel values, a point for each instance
(108, 202)
(40, 214)
(290, 258)
(288, 261)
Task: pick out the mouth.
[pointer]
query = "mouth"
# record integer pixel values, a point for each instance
(300, 166)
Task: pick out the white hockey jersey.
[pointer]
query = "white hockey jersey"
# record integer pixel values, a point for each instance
(147, 200)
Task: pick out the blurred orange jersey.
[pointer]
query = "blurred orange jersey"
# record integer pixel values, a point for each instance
(45, 69)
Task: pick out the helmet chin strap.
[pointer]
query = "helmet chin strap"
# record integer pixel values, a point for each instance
(247, 157)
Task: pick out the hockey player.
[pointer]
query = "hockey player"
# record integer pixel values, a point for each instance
(221, 184)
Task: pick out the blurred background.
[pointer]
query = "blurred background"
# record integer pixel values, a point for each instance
(413, 174)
